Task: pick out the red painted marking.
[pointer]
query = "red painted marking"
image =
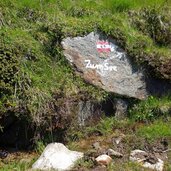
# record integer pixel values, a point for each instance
(103, 46)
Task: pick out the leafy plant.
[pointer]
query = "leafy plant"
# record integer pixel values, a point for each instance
(40, 146)
(155, 23)
(157, 129)
(151, 109)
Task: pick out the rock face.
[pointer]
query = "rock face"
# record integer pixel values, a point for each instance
(102, 63)
(114, 153)
(86, 110)
(103, 159)
(57, 157)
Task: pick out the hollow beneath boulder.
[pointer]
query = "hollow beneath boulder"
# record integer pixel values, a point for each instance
(17, 132)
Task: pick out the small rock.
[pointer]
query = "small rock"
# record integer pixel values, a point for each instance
(96, 146)
(3, 154)
(118, 139)
(104, 159)
(56, 156)
(164, 109)
(138, 155)
(157, 166)
(111, 152)
(147, 160)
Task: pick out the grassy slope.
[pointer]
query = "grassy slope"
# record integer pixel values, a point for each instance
(32, 30)
(30, 36)
(35, 28)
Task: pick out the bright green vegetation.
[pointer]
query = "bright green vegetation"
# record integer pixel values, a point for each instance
(34, 68)
(18, 165)
(35, 78)
(158, 129)
(105, 126)
(151, 109)
(31, 32)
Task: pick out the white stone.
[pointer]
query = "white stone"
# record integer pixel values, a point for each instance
(139, 156)
(157, 166)
(114, 153)
(134, 157)
(103, 159)
(56, 156)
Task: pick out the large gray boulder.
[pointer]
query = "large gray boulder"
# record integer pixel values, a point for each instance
(101, 62)
(57, 157)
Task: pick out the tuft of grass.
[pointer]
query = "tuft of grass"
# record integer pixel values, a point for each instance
(40, 146)
(157, 129)
(33, 31)
(20, 165)
(84, 163)
(131, 166)
(104, 127)
(126, 5)
(151, 109)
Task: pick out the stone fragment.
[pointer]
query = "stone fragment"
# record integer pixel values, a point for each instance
(138, 155)
(114, 153)
(103, 159)
(85, 111)
(147, 160)
(121, 107)
(159, 166)
(3, 154)
(96, 146)
(117, 140)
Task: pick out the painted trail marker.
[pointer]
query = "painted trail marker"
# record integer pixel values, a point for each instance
(102, 67)
(103, 46)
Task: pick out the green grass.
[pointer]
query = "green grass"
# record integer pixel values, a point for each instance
(158, 129)
(125, 5)
(31, 32)
(18, 165)
(151, 109)
(105, 127)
